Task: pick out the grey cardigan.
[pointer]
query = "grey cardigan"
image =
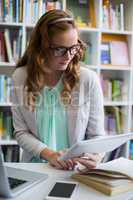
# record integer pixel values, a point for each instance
(85, 114)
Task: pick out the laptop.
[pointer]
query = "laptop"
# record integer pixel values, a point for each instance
(15, 181)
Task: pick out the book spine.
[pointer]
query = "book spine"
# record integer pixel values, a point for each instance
(105, 53)
(40, 7)
(1, 124)
(2, 78)
(118, 121)
(131, 150)
(121, 16)
(8, 45)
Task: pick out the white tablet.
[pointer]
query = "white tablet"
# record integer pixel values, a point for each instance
(101, 144)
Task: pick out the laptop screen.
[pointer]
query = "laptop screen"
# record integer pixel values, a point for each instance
(13, 182)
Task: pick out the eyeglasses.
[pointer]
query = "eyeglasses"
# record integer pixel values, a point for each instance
(61, 51)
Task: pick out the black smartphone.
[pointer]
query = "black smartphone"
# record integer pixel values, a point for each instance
(62, 190)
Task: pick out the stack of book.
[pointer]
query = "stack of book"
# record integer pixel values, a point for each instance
(111, 178)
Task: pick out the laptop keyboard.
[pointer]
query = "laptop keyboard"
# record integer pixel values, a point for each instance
(13, 182)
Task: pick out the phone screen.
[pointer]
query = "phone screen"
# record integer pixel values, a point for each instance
(62, 189)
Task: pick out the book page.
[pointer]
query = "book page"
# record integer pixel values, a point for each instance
(122, 165)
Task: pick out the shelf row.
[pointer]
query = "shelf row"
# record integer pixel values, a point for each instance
(117, 120)
(102, 14)
(101, 48)
(116, 86)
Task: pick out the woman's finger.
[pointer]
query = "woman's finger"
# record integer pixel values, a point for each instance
(70, 164)
(94, 157)
(63, 164)
(87, 163)
(55, 164)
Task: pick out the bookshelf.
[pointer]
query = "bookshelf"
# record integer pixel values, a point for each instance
(99, 21)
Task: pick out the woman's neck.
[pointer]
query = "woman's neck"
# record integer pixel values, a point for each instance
(51, 79)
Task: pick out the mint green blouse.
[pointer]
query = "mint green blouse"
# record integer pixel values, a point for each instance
(52, 123)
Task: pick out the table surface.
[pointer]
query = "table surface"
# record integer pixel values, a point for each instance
(40, 191)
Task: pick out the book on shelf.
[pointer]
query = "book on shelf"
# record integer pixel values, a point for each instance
(92, 14)
(10, 43)
(87, 17)
(11, 11)
(1, 124)
(75, 7)
(8, 46)
(114, 53)
(131, 150)
(119, 54)
(121, 18)
(110, 124)
(36, 8)
(11, 153)
(115, 120)
(113, 15)
(87, 59)
(3, 53)
(105, 53)
(111, 178)
(6, 128)
(118, 113)
(105, 17)
(5, 89)
(106, 84)
(114, 89)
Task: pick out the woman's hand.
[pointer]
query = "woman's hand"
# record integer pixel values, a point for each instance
(89, 160)
(53, 158)
(55, 161)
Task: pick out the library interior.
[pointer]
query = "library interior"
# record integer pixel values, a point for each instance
(106, 29)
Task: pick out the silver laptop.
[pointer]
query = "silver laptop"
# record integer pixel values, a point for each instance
(14, 181)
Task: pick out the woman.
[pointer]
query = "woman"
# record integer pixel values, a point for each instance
(56, 101)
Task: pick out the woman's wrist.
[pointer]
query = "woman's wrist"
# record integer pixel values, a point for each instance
(47, 154)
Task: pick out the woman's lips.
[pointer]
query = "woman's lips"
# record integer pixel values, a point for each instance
(63, 63)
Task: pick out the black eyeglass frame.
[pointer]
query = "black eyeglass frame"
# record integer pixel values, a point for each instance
(64, 50)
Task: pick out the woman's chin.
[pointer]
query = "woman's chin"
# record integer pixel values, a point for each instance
(62, 67)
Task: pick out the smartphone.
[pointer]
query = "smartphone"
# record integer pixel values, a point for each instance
(62, 190)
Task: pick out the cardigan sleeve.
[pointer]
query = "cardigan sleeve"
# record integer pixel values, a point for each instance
(95, 126)
(23, 135)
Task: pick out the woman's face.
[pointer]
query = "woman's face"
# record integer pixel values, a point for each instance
(63, 48)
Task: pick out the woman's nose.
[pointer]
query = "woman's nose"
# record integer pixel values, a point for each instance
(67, 55)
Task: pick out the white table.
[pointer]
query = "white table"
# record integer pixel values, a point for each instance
(40, 191)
